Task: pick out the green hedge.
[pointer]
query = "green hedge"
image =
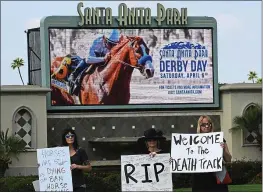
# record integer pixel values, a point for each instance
(241, 172)
(17, 184)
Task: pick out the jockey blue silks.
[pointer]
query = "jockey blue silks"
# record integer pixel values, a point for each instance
(114, 36)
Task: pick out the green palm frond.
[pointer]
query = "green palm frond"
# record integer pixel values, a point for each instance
(17, 63)
(239, 122)
(252, 75)
(10, 146)
(250, 120)
(259, 80)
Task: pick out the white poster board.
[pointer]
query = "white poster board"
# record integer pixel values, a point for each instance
(54, 169)
(196, 153)
(145, 173)
(36, 185)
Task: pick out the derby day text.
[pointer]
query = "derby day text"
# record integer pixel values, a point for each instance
(184, 60)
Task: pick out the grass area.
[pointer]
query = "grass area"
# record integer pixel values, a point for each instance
(233, 188)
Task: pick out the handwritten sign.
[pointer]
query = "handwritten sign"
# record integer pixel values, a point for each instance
(196, 153)
(54, 169)
(143, 173)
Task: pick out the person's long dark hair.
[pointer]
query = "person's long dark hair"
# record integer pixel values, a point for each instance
(64, 142)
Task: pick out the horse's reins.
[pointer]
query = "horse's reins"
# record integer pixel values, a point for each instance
(125, 63)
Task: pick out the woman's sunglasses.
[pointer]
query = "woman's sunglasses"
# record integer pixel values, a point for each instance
(69, 136)
(205, 125)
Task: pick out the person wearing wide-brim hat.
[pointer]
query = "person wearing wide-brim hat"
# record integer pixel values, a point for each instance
(151, 142)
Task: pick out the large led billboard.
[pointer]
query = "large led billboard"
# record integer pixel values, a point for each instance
(123, 68)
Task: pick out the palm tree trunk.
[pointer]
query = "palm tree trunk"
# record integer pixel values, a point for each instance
(20, 75)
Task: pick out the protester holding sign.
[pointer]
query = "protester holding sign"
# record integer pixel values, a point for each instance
(207, 182)
(144, 172)
(79, 160)
(53, 170)
(151, 142)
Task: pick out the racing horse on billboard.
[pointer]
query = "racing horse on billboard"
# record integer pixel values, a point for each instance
(109, 83)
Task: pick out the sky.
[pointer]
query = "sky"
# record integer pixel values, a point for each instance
(239, 31)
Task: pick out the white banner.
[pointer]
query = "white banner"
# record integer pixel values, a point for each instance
(54, 169)
(196, 153)
(145, 173)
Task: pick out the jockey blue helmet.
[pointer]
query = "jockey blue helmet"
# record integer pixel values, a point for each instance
(114, 37)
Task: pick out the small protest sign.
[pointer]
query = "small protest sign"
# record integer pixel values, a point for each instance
(145, 173)
(54, 169)
(196, 153)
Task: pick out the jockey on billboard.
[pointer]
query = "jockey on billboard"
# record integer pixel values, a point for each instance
(98, 55)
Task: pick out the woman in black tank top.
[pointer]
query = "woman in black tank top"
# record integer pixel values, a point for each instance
(207, 182)
(79, 160)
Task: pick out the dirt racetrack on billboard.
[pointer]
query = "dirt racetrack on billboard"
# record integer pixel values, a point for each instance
(131, 66)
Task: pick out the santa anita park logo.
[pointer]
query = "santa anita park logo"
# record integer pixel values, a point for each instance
(183, 60)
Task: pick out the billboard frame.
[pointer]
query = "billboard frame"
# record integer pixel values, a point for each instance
(71, 22)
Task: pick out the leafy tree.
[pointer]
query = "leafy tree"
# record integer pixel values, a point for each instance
(251, 121)
(17, 63)
(252, 76)
(259, 80)
(10, 146)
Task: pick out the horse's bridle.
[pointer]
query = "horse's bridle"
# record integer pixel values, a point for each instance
(130, 44)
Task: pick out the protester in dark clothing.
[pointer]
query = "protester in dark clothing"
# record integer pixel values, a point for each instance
(151, 142)
(207, 182)
(79, 160)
